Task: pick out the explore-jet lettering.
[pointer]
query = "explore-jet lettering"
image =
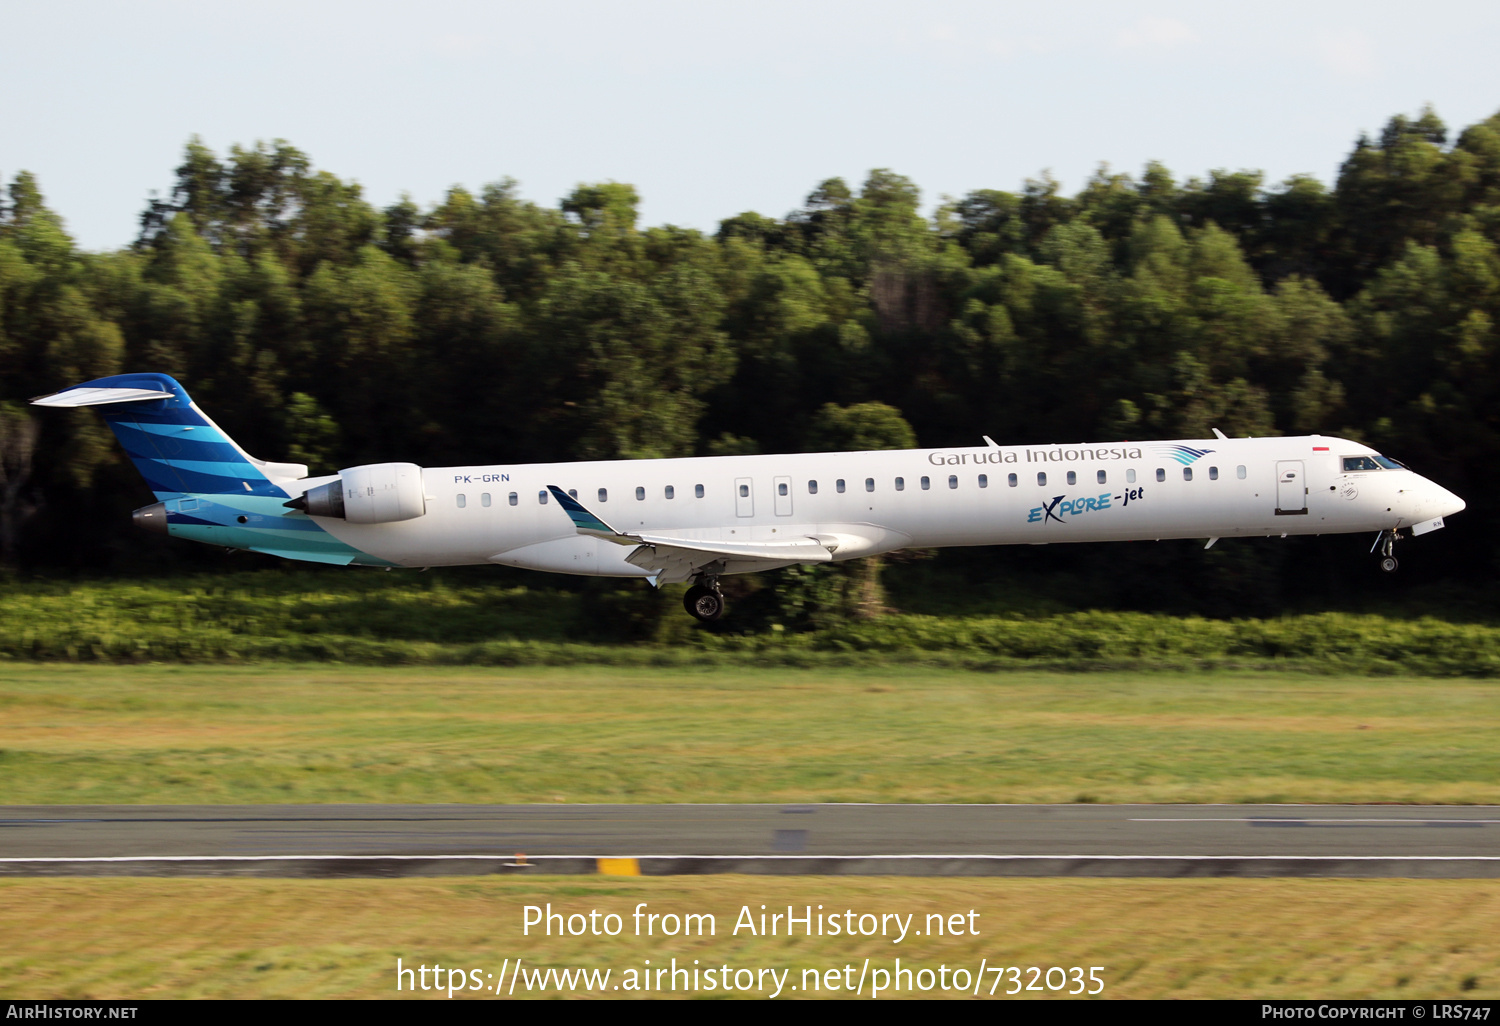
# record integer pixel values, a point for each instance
(1062, 506)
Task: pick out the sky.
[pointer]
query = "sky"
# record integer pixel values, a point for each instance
(714, 108)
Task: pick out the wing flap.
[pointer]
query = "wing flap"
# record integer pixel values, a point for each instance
(670, 565)
(672, 560)
(675, 558)
(789, 550)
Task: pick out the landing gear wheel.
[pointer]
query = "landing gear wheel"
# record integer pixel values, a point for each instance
(703, 603)
(1385, 541)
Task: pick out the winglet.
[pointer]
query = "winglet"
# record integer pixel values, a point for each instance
(583, 520)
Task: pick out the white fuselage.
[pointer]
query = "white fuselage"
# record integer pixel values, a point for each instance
(864, 503)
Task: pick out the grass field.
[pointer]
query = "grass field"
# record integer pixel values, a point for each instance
(74, 733)
(1154, 938)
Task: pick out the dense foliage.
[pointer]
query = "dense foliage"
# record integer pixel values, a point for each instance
(316, 327)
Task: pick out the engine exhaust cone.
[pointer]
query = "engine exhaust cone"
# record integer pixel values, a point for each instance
(323, 501)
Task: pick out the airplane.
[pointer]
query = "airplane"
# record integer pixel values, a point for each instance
(694, 520)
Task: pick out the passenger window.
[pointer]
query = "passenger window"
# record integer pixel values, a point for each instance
(1072, 477)
(926, 483)
(572, 493)
(698, 491)
(1130, 477)
(1239, 472)
(812, 488)
(640, 494)
(1041, 479)
(783, 488)
(462, 501)
(744, 491)
(1012, 481)
(1213, 473)
(484, 498)
(1161, 475)
(952, 480)
(838, 486)
(984, 480)
(869, 484)
(671, 492)
(541, 497)
(604, 495)
(900, 484)
(1103, 477)
(1187, 473)
(514, 499)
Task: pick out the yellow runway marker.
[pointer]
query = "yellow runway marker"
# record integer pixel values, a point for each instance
(619, 867)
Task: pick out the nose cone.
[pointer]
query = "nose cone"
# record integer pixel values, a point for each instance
(1446, 502)
(1429, 500)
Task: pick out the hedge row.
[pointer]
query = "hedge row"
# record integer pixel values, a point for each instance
(393, 622)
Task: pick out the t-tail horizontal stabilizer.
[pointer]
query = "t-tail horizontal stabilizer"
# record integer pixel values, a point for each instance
(84, 396)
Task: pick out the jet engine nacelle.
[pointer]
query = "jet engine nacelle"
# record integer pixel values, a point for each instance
(381, 493)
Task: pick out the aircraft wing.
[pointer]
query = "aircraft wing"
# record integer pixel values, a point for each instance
(673, 558)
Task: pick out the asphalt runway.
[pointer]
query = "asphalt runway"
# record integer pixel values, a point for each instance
(957, 840)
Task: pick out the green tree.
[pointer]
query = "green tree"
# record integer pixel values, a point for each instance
(862, 427)
(18, 437)
(625, 364)
(360, 322)
(1402, 188)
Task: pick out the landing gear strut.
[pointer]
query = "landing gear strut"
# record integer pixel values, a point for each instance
(704, 601)
(1385, 541)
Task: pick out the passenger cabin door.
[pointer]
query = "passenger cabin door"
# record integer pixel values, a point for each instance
(744, 498)
(1291, 488)
(783, 486)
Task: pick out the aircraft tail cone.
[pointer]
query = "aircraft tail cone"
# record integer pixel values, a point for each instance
(152, 517)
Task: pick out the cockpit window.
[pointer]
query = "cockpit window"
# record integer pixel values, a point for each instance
(1355, 463)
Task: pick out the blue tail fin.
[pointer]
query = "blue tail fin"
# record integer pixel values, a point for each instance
(174, 445)
(210, 490)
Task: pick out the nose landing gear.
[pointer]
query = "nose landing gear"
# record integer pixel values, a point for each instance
(704, 601)
(1385, 541)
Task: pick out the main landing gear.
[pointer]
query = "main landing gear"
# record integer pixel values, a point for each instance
(704, 600)
(1385, 541)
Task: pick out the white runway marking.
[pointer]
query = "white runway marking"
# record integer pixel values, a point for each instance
(1299, 819)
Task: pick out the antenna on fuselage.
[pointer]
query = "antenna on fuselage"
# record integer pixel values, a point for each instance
(1220, 434)
(990, 442)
